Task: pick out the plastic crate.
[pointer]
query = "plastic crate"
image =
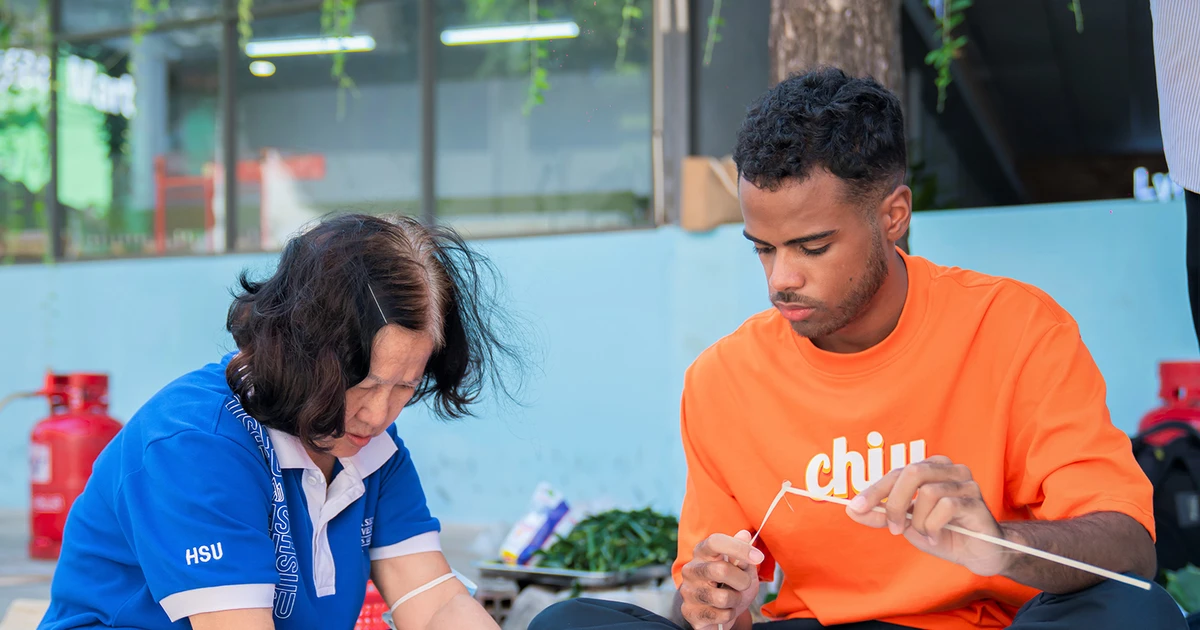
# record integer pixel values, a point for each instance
(371, 615)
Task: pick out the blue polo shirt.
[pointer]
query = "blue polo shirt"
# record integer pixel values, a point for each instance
(195, 508)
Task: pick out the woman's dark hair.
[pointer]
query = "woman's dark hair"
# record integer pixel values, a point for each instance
(305, 334)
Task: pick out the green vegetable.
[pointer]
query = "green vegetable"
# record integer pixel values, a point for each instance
(1184, 586)
(613, 541)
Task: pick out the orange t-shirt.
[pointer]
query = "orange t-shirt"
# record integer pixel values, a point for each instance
(987, 371)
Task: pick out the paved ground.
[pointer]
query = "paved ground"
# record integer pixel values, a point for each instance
(20, 577)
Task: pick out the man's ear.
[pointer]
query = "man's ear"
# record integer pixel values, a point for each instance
(895, 212)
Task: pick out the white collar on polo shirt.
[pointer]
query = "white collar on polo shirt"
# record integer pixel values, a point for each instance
(326, 500)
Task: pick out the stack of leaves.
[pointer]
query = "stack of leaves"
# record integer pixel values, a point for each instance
(613, 541)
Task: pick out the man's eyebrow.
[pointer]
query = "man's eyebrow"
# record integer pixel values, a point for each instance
(800, 240)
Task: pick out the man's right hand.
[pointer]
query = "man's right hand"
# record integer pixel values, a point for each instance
(721, 581)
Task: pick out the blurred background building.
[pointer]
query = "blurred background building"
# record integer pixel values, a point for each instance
(453, 122)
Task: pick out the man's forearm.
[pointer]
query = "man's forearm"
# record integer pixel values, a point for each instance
(1109, 540)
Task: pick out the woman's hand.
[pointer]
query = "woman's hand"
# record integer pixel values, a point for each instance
(445, 606)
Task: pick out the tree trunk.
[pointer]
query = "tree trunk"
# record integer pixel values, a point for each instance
(862, 37)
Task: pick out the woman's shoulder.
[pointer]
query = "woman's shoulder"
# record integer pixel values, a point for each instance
(197, 408)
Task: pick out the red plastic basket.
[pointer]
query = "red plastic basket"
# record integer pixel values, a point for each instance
(371, 615)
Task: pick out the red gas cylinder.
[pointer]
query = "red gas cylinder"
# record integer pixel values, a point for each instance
(1179, 388)
(62, 449)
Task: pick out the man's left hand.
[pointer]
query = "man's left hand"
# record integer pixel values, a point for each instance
(936, 492)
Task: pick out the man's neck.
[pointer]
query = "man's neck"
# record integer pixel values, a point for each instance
(880, 317)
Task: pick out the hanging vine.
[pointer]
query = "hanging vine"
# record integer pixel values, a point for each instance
(145, 14)
(337, 20)
(949, 14)
(537, 74)
(629, 13)
(951, 48)
(715, 21)
(245, 11)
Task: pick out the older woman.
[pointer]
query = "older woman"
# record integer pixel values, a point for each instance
(263, 490)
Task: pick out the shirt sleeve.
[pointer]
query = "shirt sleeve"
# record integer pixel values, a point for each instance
(1065, 457)
(708, 505)
(403, 524)
(198, 516)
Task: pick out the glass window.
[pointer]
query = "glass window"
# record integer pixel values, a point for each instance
(306, 147)
(82, 16)
(24, 143)
(23, 23)
(138, 137)
(547, 135)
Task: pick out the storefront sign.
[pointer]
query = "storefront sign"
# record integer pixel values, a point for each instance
(84, 81)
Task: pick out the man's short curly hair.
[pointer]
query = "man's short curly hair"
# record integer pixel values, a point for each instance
(824, 119)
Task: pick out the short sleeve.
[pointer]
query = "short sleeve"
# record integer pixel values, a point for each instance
(197, 515)
(1065, 457)
(708, 505)
(403, 524)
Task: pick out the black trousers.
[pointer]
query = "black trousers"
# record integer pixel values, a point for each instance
(1192, 203)
(1107, 606)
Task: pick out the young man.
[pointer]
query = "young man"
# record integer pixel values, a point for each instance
(940, 394)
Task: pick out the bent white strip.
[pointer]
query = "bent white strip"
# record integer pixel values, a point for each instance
(420, 589)
(1038, 553)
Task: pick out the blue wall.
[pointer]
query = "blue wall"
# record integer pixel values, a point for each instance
(616, 317)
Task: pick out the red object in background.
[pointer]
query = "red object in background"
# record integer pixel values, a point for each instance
(371, 616)
(300, 167)
(1179, 388)
(62, 449)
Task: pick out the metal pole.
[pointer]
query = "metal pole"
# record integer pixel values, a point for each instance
(54, 213)
(427, 58)
(661, 25)
(228, 105)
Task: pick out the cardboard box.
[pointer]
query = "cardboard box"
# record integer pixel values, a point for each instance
(708, 195)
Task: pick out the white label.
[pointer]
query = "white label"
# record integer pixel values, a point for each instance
(39, 463)
(49, 503)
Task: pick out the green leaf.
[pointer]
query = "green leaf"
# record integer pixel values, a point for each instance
(955, 20)
(960, 41)
(935, 56)
(959, 5)
(1184, 587)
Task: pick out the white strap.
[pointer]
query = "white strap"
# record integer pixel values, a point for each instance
(420, 589)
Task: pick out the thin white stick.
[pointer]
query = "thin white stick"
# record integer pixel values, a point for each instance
(782, 493)
(1074, 564)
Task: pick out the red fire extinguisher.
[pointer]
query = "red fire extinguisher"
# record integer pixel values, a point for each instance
(62, 449)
